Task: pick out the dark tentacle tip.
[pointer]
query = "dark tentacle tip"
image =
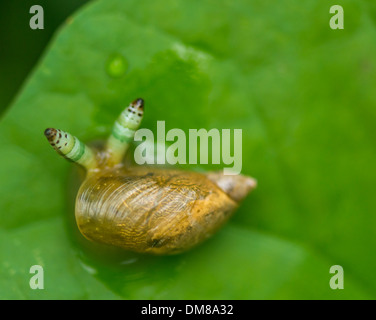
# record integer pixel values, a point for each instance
(139, 103)
(50, 133)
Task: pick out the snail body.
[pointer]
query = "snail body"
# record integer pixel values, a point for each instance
(144, 209)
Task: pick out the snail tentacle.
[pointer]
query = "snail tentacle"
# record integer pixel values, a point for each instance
(71, 148)
(123, 131)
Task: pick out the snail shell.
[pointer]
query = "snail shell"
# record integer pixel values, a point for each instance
(146, 209)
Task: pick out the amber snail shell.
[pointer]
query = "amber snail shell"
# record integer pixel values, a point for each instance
(144, 209)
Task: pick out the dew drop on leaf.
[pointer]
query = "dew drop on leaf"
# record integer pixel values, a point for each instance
(116, 65)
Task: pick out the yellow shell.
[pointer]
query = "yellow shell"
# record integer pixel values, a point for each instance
(155, 211)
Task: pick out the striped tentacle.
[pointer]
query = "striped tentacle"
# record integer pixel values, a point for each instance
(123, 131)
(71, 148)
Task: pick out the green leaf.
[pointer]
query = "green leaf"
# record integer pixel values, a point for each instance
(303, 95)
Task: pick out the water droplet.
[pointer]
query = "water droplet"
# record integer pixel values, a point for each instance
(116, 65)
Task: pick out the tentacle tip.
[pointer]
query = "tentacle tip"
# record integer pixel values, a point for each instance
(138, 103)
(50, 133)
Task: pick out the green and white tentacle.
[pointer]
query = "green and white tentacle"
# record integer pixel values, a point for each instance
(117, 144)
(123, 131)
(71, 148)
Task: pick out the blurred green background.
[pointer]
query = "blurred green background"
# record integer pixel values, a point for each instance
(303, 95)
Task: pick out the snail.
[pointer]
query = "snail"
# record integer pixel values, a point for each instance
(145, 209)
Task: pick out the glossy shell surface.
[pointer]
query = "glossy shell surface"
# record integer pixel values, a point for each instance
(151, 210)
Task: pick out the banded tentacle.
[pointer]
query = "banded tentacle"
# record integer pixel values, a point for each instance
(71, 148)
(123, 131)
